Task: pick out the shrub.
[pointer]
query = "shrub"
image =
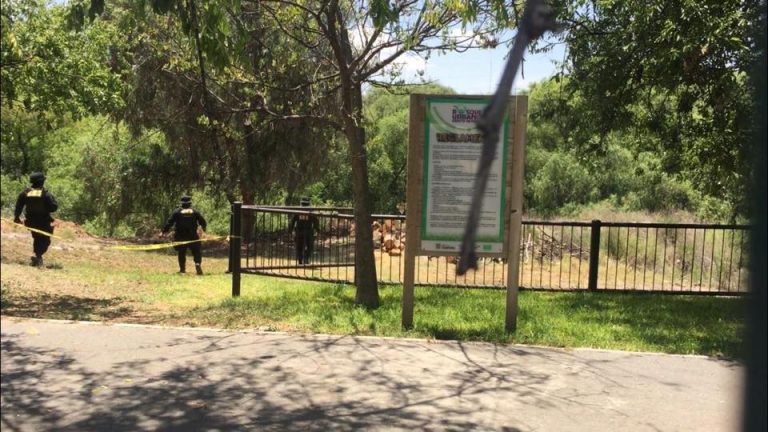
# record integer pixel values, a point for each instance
(562, 180)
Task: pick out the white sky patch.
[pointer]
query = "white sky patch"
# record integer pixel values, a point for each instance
(359, 36)
(457, 33)
(411, 65)
(476, 71)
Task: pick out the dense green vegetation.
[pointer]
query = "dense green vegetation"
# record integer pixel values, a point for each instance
(125, 109)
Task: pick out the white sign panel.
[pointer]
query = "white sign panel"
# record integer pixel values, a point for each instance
(452, 148)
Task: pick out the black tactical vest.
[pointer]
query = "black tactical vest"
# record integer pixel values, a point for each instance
(187, 222)
(35, 203)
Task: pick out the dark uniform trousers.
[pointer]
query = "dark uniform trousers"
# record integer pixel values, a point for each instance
(40, 242)
(181, 250)
(305, 241)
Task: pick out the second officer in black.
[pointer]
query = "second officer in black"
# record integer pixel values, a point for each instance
(187, 219)
(304, 226)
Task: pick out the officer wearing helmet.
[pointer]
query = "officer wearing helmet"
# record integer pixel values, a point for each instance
(304, 227)
(187, 219)
(37, 204)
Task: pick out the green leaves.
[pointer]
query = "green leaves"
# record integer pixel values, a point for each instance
(56, 68)
(382, 13)
(162, 6)
(681, 59)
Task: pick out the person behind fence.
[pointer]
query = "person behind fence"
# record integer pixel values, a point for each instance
(187, 219)
(38, 204)
(304, 227)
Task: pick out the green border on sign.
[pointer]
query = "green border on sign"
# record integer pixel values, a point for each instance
(426, 159)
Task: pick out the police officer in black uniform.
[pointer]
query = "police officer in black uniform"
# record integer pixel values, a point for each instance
(187, 220)
(303, 227)
(38, 204)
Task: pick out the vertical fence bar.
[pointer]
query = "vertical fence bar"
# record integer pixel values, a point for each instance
(594, 254)
(561, 243)
(720, 264)
(664, 259)
(634, 264)
(248, 238)
(255, 237)
(268, 237)
(693, 260)
(248, 244)
(230, 259)
(655, 246)
(393, 234)
(712, 260)
(618, 258)
(607, 257)
(682, 266)
(570, 256)
(645, 255)
(337, 248)
(382, 247)
(346, 251)
(730, 259)
(542, 252)
(581, 252)
(674, 258)
(323, 227)
(532, 234)
(741, 254)
(626, 259)
(551, 252)
(703, 252)
(236, 235)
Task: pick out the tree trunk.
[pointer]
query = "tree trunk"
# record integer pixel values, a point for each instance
(367, 293)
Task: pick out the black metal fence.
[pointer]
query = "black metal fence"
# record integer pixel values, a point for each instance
(598, 256)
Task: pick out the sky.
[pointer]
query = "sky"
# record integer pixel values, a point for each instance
(479, 71)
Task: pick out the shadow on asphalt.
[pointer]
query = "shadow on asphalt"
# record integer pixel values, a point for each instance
(63, 306)
(46, 389)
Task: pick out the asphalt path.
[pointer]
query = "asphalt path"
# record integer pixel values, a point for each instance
(72, 376)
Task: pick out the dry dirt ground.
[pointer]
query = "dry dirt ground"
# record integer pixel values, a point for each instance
(86, 277)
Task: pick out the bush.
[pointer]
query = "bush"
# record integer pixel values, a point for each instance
(613, 171)
(10, 188)
(562, 180)
(656, 190)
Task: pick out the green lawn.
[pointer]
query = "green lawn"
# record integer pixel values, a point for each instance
(91, 282)
(634, 322)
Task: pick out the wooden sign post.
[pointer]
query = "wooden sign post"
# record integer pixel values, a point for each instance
(443, 152)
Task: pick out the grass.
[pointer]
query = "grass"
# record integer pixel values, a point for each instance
(87, 280)
(632, 322)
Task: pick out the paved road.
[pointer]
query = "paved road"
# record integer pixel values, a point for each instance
(65, 376)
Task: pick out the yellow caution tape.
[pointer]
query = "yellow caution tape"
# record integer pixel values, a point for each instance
(132, 247)
(166, 245)
(45, 233)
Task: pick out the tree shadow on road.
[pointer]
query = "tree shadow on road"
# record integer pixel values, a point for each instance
(63, 306)
(226, 383)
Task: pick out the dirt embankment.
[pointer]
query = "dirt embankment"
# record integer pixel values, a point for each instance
(86, 278)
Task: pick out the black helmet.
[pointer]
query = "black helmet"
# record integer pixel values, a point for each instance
(305, 201)
(37, 178)
(186, 201)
